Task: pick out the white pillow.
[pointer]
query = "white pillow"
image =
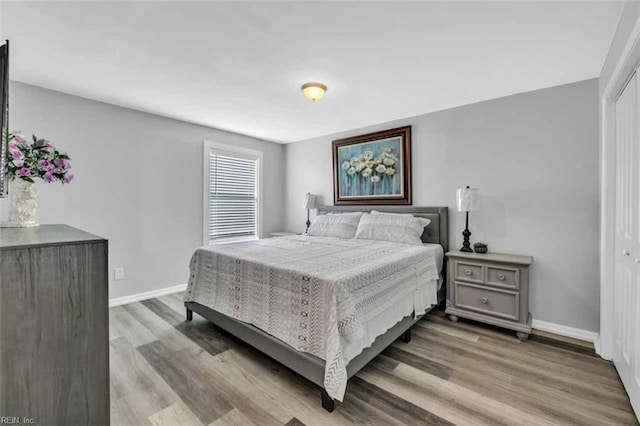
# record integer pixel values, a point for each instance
(400, 228)
(423, 221)
(342, 225)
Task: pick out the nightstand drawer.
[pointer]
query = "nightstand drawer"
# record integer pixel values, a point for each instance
(498, 303)
(503, 276)
(467, 271)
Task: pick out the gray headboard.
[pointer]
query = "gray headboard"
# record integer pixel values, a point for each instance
(437, 232)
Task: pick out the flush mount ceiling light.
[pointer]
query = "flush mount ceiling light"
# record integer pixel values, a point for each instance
(314, 91)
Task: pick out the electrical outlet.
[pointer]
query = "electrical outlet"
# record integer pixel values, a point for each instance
(119, 273)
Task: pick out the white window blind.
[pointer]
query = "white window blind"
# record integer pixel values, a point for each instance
(232, 196)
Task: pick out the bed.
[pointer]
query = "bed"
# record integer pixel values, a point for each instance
(318, 305)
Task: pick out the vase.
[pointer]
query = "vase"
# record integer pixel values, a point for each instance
(22, 204)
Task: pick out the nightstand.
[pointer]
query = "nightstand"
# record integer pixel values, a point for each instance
(491, 288)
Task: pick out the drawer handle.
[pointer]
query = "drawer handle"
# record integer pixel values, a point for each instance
(501, 277)
(468, 271)
(484, 300)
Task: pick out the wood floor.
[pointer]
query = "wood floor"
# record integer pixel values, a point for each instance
(165, 371)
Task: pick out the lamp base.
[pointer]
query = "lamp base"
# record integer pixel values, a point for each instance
(466, 245)
(308, 223)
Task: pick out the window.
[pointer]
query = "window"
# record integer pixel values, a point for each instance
(231, 196)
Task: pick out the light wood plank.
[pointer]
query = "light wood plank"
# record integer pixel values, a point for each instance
(128, 327)
(126, 411)
(450, 331)
(176, 414)
(199, 391)
(175, 302)
(206, 335)
(133, 379)
(234, 417)
(159, 328)
(271, 390)
(440, 396)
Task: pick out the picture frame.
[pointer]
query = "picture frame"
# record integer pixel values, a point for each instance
(373, 169)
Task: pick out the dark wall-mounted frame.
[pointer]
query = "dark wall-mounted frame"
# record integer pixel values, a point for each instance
(4, 119)
(358, 178)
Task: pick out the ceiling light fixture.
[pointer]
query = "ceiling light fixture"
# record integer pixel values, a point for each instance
(314, 91)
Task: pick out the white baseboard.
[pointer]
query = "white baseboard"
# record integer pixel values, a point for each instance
(146, 295)
(563, 330)
(596, 344)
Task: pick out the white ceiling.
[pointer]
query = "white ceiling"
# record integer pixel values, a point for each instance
(239, 66)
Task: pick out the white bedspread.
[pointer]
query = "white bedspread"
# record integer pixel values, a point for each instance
(317, 294)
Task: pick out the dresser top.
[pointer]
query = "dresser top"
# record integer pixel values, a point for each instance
(43, 235)
(493, 257)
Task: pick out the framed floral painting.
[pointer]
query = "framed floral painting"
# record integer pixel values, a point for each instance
(373, 169)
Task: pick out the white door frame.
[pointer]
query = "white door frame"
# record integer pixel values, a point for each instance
(622, 72)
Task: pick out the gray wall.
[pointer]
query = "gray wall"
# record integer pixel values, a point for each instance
(138, 182)
(534, 158)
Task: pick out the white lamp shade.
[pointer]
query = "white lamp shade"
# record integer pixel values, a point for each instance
(467, 199)
(310, 201)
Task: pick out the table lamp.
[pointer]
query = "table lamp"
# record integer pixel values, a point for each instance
(310, 202)
(467, 201)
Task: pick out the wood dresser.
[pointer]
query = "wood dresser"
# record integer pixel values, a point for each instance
(491, 288)
(54, 326)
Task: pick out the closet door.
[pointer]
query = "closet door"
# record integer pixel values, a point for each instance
(627, 257)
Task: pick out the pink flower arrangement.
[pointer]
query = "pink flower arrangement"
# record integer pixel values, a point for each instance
(37, 159)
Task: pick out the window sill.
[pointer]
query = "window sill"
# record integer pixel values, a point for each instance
(233, 240)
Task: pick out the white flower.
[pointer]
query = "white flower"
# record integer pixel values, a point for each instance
(361, 158)
(370, 164)
(388, 161)
(390, 171)
(367, 172)
(351, 170)
(375, 179)
(389, 154)
(381, 168)
(368, 155)
(345, 165)
(378, 160)
(354, 160)
(387, 150)
(359, 167)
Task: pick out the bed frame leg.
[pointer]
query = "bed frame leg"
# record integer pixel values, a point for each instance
(328, 403)
(189, 314)
(406, 336)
